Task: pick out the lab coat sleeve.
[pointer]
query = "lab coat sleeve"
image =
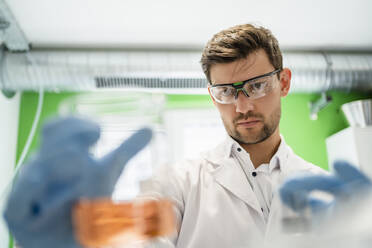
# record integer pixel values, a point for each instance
(168, 182)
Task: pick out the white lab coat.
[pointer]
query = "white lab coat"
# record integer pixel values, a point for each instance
(214, 203)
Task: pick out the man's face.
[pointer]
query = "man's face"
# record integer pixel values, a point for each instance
(251, 121)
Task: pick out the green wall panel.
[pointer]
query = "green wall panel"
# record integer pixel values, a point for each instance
(305, 136)
(29, 101)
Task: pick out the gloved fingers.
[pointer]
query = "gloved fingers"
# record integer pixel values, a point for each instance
(116, 160)
(295, 191)
(66, 165)
(60, 132)
(308, 183)
(296, 200)
(317, 205)
(350, 174)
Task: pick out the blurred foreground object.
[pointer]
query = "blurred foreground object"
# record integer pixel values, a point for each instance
(349, 227)
(39, 208)
(344, 222)
(358, 113)
(105, 223)
(337, 196)
(345, 185)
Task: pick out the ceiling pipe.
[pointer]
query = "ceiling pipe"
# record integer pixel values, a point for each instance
(81, 70)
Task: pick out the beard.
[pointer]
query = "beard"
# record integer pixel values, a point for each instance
(252, 135)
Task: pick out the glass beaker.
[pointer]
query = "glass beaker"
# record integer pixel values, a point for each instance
(120, 114)
(121, 220)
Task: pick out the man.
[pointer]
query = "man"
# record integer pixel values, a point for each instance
(228, 197)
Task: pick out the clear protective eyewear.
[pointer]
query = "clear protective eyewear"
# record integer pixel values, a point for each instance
(253, 88)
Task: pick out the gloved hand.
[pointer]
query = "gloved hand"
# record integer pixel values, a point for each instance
(347, 182)
(38, 211)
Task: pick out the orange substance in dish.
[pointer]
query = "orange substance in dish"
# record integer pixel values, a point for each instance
(102, 222)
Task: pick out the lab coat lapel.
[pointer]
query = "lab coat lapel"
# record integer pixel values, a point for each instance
(275, 216)
(274, 221)
(230, 176)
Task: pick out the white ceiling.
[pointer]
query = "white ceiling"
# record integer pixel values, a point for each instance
(190, 23)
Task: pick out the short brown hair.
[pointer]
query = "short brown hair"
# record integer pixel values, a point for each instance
(237, 43)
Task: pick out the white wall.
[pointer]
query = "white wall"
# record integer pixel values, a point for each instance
(9, 114)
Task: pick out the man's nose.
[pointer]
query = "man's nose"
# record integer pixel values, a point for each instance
(243, 103)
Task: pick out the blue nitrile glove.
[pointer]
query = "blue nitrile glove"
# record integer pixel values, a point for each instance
(347, 182)
(38, 211)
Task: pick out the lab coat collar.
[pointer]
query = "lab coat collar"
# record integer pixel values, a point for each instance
(280, 157)
(224, 152)
(230, 175)
(279, 160)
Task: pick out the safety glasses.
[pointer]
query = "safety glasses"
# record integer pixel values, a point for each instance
(253, 88)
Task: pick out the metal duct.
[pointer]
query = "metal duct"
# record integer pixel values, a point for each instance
(74, 70)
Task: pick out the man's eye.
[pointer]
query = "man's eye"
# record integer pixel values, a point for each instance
(258, 85)
(226, 91)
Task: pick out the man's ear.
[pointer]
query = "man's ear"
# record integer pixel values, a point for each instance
(285, 81)
(209, 91)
